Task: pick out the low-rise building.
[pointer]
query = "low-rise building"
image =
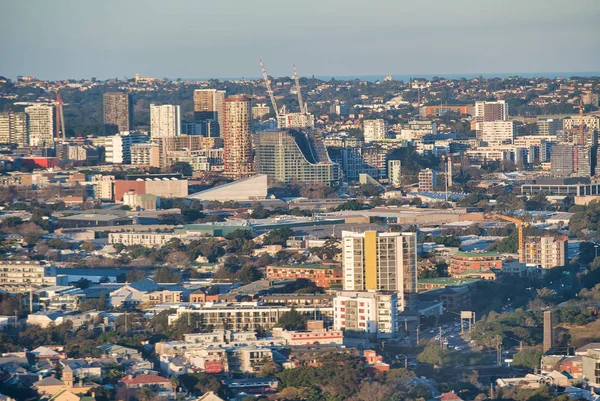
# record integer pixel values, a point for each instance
(21, 275)
(372, 313)
(147, 239)
(325, 276)
(462, 262)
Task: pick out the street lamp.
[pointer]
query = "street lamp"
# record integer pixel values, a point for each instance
(418, 333)
(596, 249)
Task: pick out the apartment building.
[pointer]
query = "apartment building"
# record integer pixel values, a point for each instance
(294, 156)
(416, 130)
(188, 143)
(260, 110)
(381, 261)
(240, 316)
(103, 187)
(373, 314)
(496, 132)
(209, 105)
(491, 111)
(589, 122)
(199, 160)
(41, 124)
(14, 128)
(145, 154)
(165, 120)
(18, 276)
(395, 173)
(548, 126)
(118, 147)
(118, 113)
(147, 239)
(237, 138)
(547, 252)
(324, 276)
(475, 262)
(427, 180)
(374, 130)
(295, 120)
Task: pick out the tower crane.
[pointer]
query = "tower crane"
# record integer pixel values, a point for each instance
(300, 101)
(269, 90)
(60, 119)
(520, 226)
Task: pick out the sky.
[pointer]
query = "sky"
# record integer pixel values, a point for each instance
(226, 38)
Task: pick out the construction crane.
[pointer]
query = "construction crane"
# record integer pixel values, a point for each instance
(300, 101)
(581, 139)
(60, 119)
(269, 90)
(520, 226)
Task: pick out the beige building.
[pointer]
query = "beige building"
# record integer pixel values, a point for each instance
(590, 122)
(546, 252)
(140, 201)
(165, 120)
(381, 261)
(374, 130)
(18, 276)
(184, 143)
(427, 180)
(496, 132)
(145, 154)
(237, 138)
(260, 110)
(209, 104)
(104, 187)
(41, 124)
(14, 128)
(147, 239)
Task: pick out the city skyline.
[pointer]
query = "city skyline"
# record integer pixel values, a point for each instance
(463, 37)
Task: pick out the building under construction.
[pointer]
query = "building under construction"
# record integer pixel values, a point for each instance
(292, 155)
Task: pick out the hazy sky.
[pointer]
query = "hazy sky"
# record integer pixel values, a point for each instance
(225, 38)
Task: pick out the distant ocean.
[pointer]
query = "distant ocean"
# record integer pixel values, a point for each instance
(405, 78)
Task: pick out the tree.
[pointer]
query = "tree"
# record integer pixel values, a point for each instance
(165, 275)
(145, 394)
(135, 275)
(182, 168)
(248, 274)
(278, 236)
(178, 259)
(83, 283)
(292, 320)
(528, 358)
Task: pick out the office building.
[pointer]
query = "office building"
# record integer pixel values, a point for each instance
(374, 130)
(145, 154)
(14, 128)
(496, 132)
(548, 126)
(395, 173)
(41, 124)
(372, 314)
(295, 156)
(237, 137)
(381, 261)
(546, 252)
(118, 113)
(118, 147)
(165, 120)
(209, 105)
(427, 180)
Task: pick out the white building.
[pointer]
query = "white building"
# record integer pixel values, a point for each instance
(103, 187)
(496, 132)
(165, 120)
(18, 276)
(374, 130)
(373, 313)
(14, 128)
(118, 147)
(381, 261)
(395, 173)
(147, 239)
(41, 124)
(416, 130)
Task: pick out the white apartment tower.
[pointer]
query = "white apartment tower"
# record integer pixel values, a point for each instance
(395, 173)
(14, 128)
(41, 124)
(497, 132)
(165, 120)
(381, 261)
(374, 130)
(488, 111)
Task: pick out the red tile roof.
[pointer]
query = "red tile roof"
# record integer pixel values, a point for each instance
(451, 396)
(145, 379)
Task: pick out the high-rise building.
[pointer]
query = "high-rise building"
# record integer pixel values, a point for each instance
(145, 154)
(165, 120)
(488, 111)
(14, 128)
(41, 124)
(381, 261)
(237, 137)
(395, 173)
(427, 180)
(189, 143)
(496, 132)
(209, 105)
(546, 252)
(562, 159)
(260, 110)
(118, 147)
(374, 130)
(118, 113)
(295, 155)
